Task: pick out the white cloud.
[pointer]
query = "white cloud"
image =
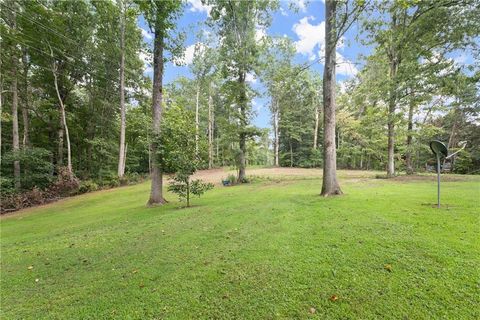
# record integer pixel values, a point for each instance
(198, 6)
(345, 66)
(251, 78)
(283, 12)
(147, 35)
(310, 35)
(260, 33)
(147, 59)
(189, 53)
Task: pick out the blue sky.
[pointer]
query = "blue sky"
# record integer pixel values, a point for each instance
(305, 26)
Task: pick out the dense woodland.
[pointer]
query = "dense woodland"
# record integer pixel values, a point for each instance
(77, 105)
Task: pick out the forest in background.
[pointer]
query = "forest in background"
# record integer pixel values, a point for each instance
(75, 100)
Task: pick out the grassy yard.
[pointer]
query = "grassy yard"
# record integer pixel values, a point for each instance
(272, 249)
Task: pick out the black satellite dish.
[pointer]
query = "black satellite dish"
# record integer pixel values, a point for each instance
(439, 148)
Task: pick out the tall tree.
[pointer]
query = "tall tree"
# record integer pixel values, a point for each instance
(122, 152)
(14, 91)
(406, 32)
(161, 16)
(330, 184)
(338, 18)
(237, 22)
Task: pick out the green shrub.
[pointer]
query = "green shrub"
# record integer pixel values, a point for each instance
(463, 163)
(36, 168)
(183, 187)
(87, 186)
(108, 179)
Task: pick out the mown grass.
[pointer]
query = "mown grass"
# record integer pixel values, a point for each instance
(267, 250)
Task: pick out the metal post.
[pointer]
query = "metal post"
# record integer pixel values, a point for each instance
(438, 180)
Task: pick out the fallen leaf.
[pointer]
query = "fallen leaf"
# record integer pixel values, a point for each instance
(30, 268)
(334, 298)
(134, 271)
(388, 267)
(312, 310)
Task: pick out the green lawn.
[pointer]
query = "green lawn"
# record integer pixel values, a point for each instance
(267, 250)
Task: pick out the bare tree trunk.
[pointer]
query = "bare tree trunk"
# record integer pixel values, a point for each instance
(242, 134)
(26, 139)
(60, 142)
(63, 119)
(276, 122)
(210, 130)
(315, 132)
(330, 184)
(217, 153)
(291, 154)
(16, 143)
(125, 157)
(408, 156)
(121, 152)
(197, 105)
(156, 191)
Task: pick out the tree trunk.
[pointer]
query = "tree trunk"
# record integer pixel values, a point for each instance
(291, 154)
(63, 118)
(156, 191)
(276, 122)
(16, 143)
(393, 61)
(188, 192)
(315, 132)
(317, 121)
(243, 123)
(197, 105)
(60, 142)
(125, 156)
(121, 152)
(26, 138)
(408, 156)
(330, 184)
(210, 130)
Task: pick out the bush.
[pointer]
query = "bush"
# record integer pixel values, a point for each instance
(108, 179)
(36, 168)
(183, 187)
(463, 163)
(65, 185)
(130, 178)
(16, 201)
(87, 186)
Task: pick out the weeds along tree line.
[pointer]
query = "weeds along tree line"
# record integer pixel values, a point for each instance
(79, 113)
